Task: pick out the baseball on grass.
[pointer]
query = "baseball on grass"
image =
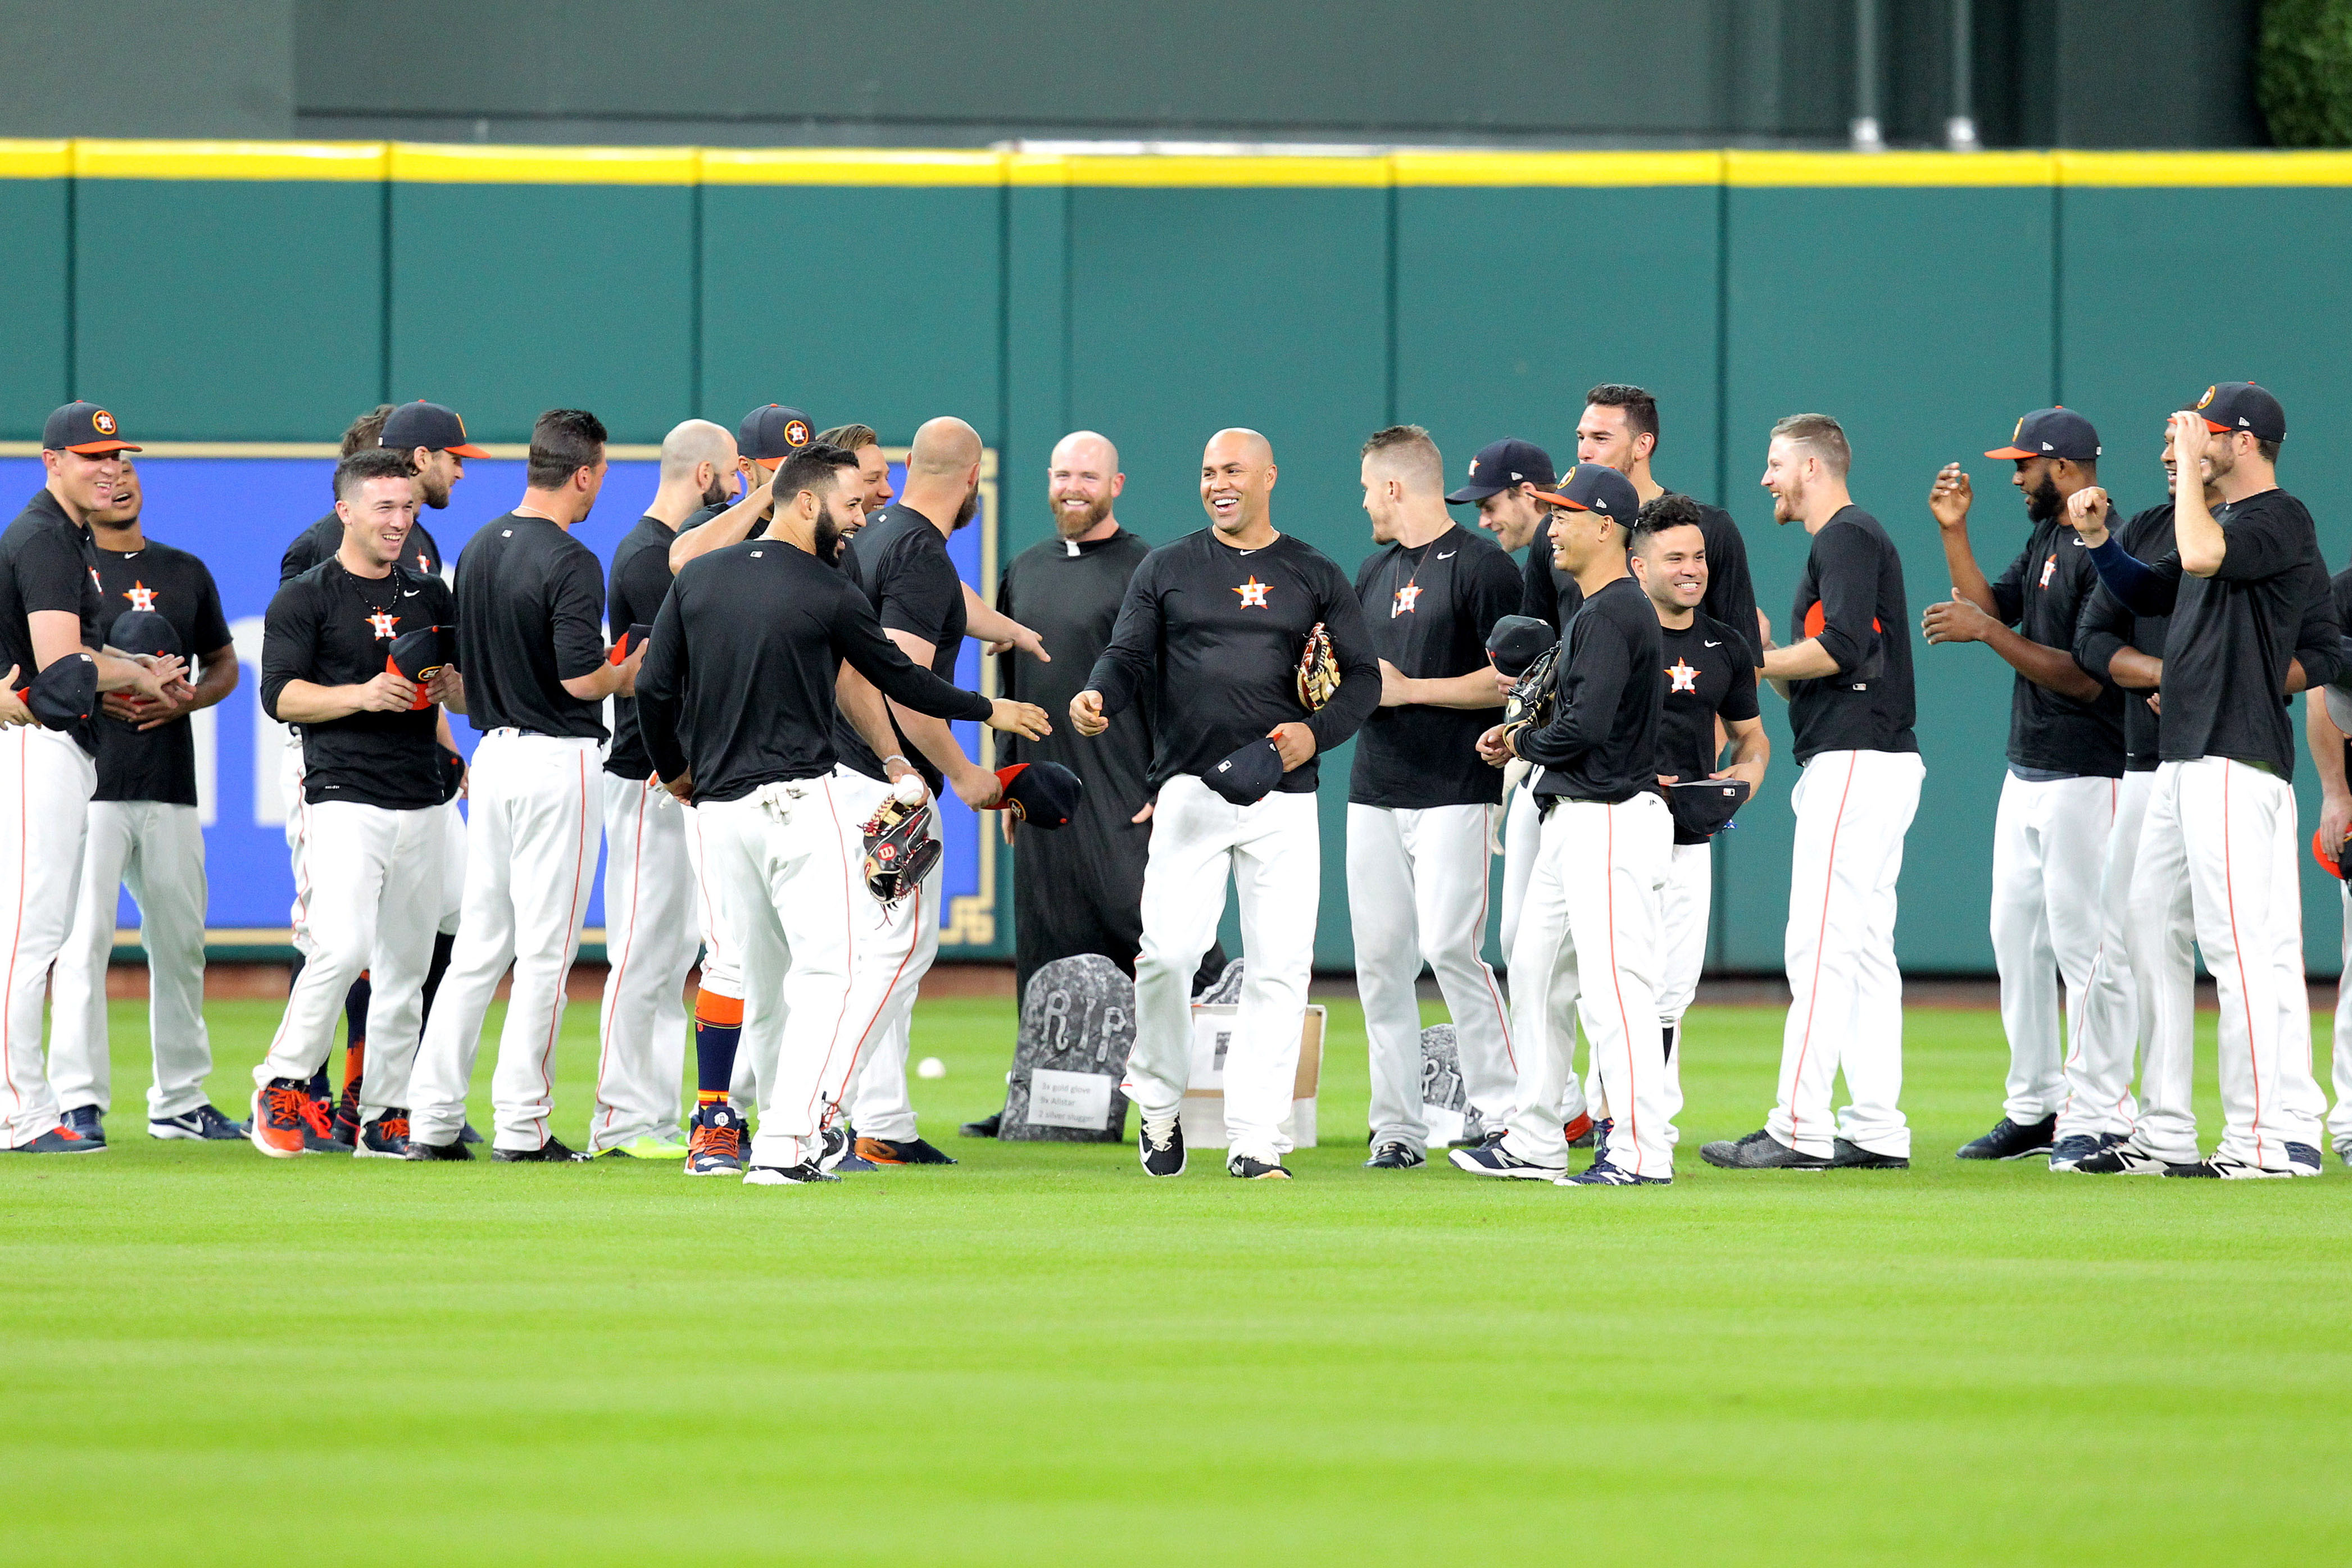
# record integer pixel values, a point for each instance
(910, 788)
(930, 1066)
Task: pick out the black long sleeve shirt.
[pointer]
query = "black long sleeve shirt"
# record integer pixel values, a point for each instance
(2041, 595)
(737, 684)
(333, 629)
(1601, 742)
(1217, 633)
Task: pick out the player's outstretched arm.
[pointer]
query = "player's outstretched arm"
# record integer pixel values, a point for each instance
(731, 526)
(1000, 630)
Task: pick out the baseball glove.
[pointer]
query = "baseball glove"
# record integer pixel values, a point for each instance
(1318, 671)
(900, 849)
(1533, 695)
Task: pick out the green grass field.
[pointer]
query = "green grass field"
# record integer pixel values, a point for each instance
(1040, 1357)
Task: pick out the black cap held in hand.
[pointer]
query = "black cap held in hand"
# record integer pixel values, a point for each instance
(1503, 463)
(63, 694)
(1248, 776)
(2051, 432)
(631, 641)
(144, 631)
(1042, 794)
(2242, 405)
(417, 656)
(1516, 641)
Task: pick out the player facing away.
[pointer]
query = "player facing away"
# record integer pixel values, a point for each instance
(1420, 804)
(143, 835)
(2061, 790)
(1215, 625)
(1589, 947)
(530, 644)
(372, 793)
(2241, 586)
(782, 842)
(2331, 750)
(1851, 709)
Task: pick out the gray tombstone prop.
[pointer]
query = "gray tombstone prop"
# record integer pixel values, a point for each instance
(1445, 1100)
(1077, 1024)
(1225, 990)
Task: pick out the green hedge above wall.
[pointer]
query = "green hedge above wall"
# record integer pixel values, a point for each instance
(2303, 72)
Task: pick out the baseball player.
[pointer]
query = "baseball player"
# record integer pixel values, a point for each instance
(2220, 832)
(2331, 749)
(1215, 625)
(50, 606)
(650, 929)
(782, 842)
(2060, 791)
(1420, 804)
(530, 645)
(1589, 938)
(1851, 709)
(372, 790)
(143, 834)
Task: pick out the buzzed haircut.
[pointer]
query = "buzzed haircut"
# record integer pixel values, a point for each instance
(370, 463)
(849, 437)
(1641, 408)
(1820, 435)
(691, 444)
(366, 432)
(1659, 514)
(815, 468)
(563, 442)
(1408, 449)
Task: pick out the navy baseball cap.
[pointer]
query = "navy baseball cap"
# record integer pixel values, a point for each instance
(63, 694)
(1248, 776)
(1597, 487)
(1503, 463)
(2051, 432)
(85, 428)
(770, 435)
(1042, 794)
(1516, 641)
(2242, 405)
(427, 425)
(144, 632)
(418, 656)
(631, 641)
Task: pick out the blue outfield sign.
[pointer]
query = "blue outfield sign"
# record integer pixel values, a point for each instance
(238, 513)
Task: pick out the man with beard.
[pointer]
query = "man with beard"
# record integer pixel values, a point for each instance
(2059, 795)
(650, 931)
(1079, 890)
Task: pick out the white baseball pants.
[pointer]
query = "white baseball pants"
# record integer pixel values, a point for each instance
(158, 850)
(1274, 855)
(1589, 948)
(46, 783)
(2340, 1120)
(904, 939)
(373, 898)
(2160, 984)
(1522, 837)
(649, 945)
(2220, 842)
(2049, 851)
(784, 861)
(722, 971)
(1684, 905)
(530, 860)
(1845, 1007)
(1417, 890)
(452, 869)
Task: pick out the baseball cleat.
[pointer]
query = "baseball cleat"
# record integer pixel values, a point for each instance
(805, 1174)
(88, 1121)
(59, 1140)
(837, 1143)
(2224, 1168)
(2303, 1159)
(2122, 1158)
(2073, 1150)
(2009, 1141)
(1601, 1173)
(206, 1124)
(551, 1153)
(1249, 1168)
(466, 1134)
(890, 1152)
(1493, 1160)
(1580, 1134)
(386, 1138)
(1760, 1151)
(715, 1144)
(345, 1126)
(1162, 1147)
(281, 1118)
(454, 1150)
(1849, 1156)
(1395, 1157)
(988, 1126)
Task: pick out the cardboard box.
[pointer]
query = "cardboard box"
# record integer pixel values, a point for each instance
(1203, 1111)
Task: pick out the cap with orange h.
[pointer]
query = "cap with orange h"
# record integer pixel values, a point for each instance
(85, 428)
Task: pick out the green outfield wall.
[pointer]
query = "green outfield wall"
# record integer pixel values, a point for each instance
(264, 292)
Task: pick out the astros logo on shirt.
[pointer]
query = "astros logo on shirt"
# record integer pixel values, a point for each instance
(1253, 594)
(141, 597)
(1404, 598)
(382, 623)
(2048, 567)
(1683, 676)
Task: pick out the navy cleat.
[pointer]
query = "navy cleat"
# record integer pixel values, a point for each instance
(206, 1124)
(2009, 1141)
(2303, 1159)
(1760, 1151)
(1395, 1157)
(805, 1174)
(1854, 1158)
(86, 1121)
(551, 1153)
(1492, 1159)
(1602, 1174)
(1250, 1169)
(714, 1144)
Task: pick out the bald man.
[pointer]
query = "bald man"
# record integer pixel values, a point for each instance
(1213, 626)
(651, 932)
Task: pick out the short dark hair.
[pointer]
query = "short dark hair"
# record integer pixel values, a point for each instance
(563, 442)
(1660, 513)
(370, 463)
(2269, 449)
(815, 468)
(367, 429)
(848, 437)
(1641, 408)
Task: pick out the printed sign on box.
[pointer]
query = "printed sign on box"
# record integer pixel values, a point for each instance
(1204, 1110)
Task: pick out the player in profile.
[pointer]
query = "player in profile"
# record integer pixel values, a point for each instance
(1216, 624)
(1851, 709)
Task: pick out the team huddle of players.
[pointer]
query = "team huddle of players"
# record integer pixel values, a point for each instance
(776, 641)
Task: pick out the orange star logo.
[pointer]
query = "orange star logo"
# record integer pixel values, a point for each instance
(1404, 598)
(382, 623)
(1253, 594)
(141, 597)
(1684, 678)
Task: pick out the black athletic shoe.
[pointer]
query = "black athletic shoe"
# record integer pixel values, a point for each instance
(1249, 1169)
(2121, 1158)
(59, 1140)
(552, 1151)
(1161, 1151)
(1760, 1151)
(206, 1124)
(1602, 1174)
(913, 1152)
(1493, 1160)
(2071, 1151)
(2303, 1159)
(2222, 1168)
(805, 1174)
(450, 1151)
(987, 1126)
(835, 1145)
(1395, 1157)
(1854, 1158)
(466, 1134)
(2008, 1140)
(386, 1138)
(88, 1121)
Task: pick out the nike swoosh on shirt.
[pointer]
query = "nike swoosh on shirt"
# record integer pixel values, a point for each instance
(410, 592)
(1704, 643)
(1449, 555)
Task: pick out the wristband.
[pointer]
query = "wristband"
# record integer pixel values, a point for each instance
(893, 756)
